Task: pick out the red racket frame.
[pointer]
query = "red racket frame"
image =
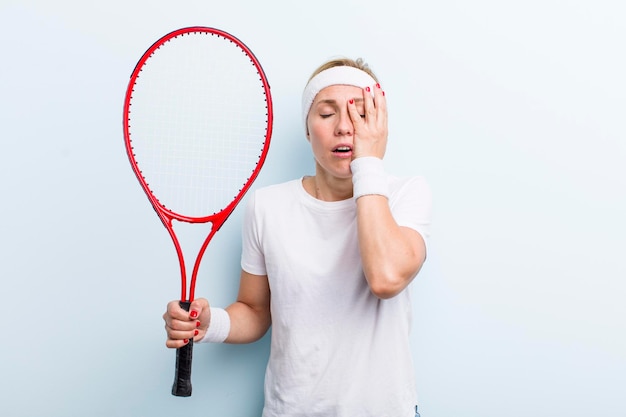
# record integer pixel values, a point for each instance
(166, 215)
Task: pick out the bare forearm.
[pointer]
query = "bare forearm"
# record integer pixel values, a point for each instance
(391, 255)
(247, 324)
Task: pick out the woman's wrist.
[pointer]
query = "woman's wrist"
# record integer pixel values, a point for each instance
(219, 326)
(369, 177)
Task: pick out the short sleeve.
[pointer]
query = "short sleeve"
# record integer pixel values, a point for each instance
(411, 204)
(252, 257)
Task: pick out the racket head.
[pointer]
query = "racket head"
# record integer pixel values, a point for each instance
(197, 123)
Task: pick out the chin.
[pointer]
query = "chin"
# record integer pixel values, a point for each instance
(336, 169)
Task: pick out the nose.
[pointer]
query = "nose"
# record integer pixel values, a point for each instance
(344, 125)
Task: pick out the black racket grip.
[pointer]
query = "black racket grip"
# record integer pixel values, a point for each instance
(182, 377)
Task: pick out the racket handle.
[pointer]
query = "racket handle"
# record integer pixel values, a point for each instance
(182, 377)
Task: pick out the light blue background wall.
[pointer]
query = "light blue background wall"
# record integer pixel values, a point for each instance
(513, 110)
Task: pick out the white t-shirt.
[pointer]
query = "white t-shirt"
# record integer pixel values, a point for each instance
(336, 349)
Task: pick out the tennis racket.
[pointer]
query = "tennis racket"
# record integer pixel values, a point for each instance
(197, 128)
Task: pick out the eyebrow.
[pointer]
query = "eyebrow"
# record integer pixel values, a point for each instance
(333, 101)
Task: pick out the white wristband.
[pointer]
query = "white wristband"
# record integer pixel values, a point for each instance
(369, 177)
(219, 327)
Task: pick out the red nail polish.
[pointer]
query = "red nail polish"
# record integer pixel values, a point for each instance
(351, 101)
(377, 85)
(195, 332)
(383, 93)
(186, 341)
(194, 314)
(367, 89)
(197, 324)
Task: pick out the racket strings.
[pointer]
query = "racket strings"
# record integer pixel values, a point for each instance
(202, 125)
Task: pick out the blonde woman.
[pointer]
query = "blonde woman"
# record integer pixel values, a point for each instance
(326, 262)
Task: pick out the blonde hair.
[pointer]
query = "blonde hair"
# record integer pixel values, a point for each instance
(339, 62)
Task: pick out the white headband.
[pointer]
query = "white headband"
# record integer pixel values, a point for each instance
(342, 75)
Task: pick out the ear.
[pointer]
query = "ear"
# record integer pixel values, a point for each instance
(306, 127)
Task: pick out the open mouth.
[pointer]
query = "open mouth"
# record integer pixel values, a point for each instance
(342, 149)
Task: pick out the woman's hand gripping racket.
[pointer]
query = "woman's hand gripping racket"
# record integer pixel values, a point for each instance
(197, 127)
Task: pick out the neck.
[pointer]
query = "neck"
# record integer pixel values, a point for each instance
(327, 188)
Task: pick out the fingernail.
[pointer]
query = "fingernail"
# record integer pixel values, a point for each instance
(367, 89)
(197, 324)
(186, 341)
(383, 93)
(195, 332)
(377, 85)
(351, 101)
(194, 314)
